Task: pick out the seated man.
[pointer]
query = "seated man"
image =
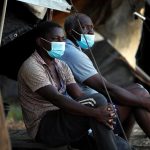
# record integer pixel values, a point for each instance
(50, 116)
(132, 102)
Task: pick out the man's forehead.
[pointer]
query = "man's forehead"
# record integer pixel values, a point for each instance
(85, 18)
(84, 21)
(56, 31)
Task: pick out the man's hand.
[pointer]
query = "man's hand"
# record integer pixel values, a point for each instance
(106, 115)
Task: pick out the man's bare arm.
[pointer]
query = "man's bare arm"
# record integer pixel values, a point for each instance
(121, 95)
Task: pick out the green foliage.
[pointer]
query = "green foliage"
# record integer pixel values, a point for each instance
(14, 113)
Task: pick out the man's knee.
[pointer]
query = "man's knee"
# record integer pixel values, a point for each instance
(93, 100)
(138, 90)
(99, 99)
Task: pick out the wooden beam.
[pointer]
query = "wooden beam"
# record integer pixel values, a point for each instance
(49, 14)
(4, 136)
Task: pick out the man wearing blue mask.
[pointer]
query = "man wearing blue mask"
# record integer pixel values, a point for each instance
(50, 116)
(134, 103)
(84, 39)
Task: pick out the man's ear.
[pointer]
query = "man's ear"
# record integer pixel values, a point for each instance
(69, 31)
(38, 41)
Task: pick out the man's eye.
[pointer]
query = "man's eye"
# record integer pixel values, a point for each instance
(59, 39)
(54, 38)
(83, 27)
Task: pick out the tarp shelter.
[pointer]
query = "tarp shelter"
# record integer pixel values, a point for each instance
(37, 8)
(60, 5)
(21, 17)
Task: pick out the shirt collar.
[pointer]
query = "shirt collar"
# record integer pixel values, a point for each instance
(71, 43)
(40, 59)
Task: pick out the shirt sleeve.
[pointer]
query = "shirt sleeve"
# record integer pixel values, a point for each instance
(80, 64)
(35, 76)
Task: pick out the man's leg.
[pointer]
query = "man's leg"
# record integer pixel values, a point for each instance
(142, 116)
(87, 142)
(127, 120)
(59, 128)
(119, 142)
(94, 100)
(104, 132)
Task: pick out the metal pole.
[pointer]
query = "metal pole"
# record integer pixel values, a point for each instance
(2, 19)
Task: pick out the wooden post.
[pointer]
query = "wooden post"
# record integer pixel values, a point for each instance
(4, 136)
(2, 17)
(49, 14)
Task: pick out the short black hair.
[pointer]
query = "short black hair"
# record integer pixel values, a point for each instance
(72, 21)
(44, 28)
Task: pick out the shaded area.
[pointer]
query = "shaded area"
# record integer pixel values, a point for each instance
(111, 64)
(17, 40)
(143, 54)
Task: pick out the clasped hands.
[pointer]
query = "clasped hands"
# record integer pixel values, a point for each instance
(107, 115)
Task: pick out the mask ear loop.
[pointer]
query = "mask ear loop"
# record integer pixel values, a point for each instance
(45, 41)
(103, 82)
(75, 31)
(73, 35)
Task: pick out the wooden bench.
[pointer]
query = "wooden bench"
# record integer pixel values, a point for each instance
(21, 141)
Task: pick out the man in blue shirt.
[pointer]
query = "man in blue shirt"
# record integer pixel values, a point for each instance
(80, 65)
(132, 102)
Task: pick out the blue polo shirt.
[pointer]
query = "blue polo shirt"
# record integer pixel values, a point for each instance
(80, 65)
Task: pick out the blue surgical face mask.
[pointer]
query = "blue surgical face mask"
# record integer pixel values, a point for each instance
(85, 38)
(57, 49)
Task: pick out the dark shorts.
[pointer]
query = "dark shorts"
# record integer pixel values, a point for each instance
(60, 128)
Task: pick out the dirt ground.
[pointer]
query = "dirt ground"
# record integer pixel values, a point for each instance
(139, 139)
